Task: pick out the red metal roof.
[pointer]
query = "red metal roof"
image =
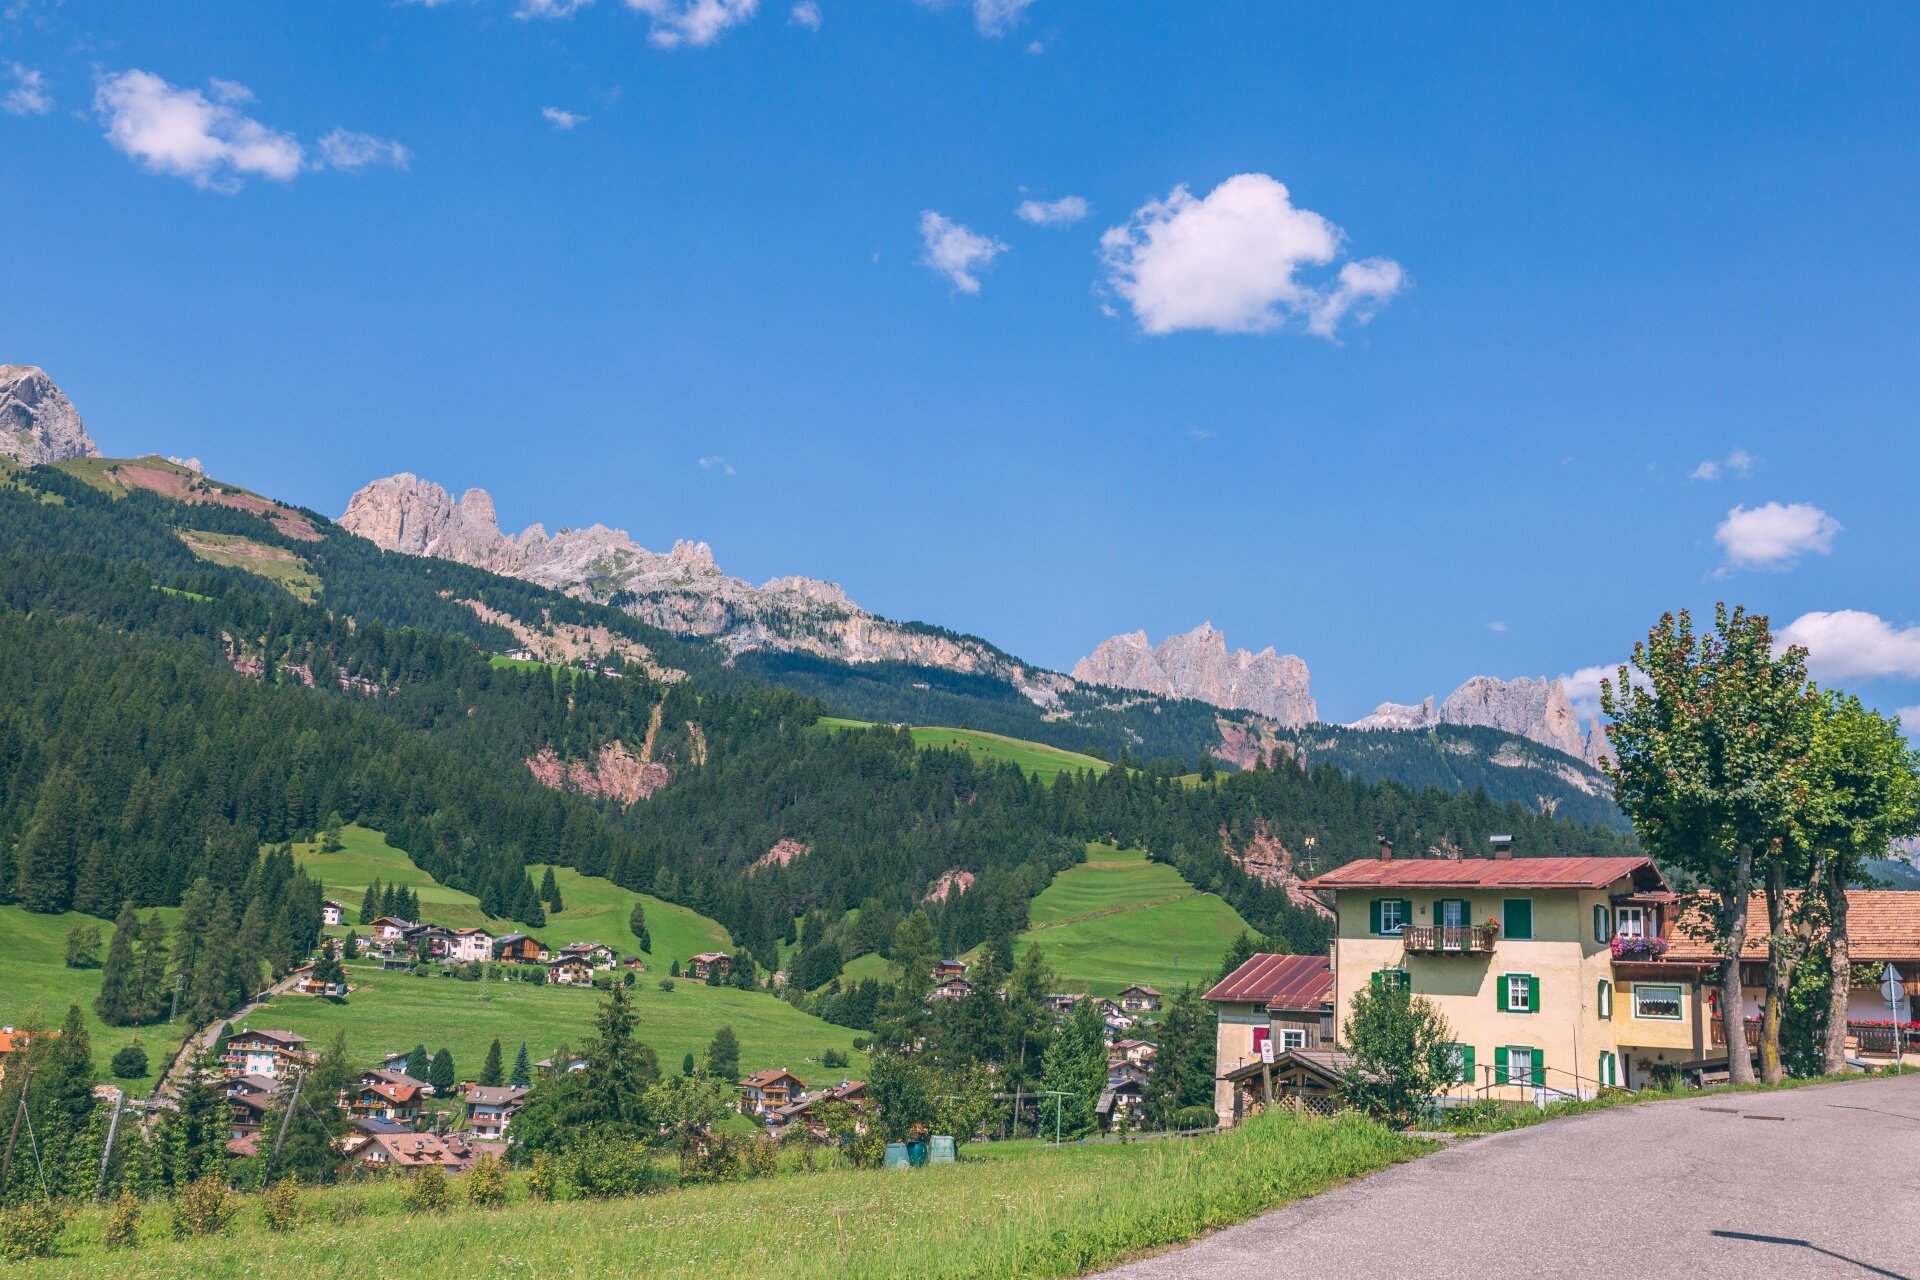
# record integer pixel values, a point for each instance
(1279, 982)
(1496, 873)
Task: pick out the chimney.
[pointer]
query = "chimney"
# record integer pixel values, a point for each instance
(1386, 849)
(1502, 848)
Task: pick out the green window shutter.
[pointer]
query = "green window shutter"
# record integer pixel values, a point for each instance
(1500, 994)
(1466, 1064)
(1466, 912)
(1517, 919)
(1533, 994)
(1539, 1067)
(1373, 916)
(1500, 1065)
(1374, 980)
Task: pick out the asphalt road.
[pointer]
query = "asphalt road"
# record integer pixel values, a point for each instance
(1815, 1182)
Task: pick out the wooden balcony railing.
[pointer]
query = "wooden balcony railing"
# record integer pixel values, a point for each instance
(1449, 940)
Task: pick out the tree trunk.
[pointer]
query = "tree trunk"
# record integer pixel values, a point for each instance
(1779, 973)
(1733, 1003)
(1841, 959)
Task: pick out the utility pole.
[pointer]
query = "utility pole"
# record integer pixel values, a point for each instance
(286, 1117)
(6, 1161)
(113, 1127)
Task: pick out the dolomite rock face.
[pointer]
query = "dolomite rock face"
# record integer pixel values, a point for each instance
(1199, 665)
(1537, 709)
(682, 591)
(38, 423)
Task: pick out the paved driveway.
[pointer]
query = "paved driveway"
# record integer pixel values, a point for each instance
(1814, 1182)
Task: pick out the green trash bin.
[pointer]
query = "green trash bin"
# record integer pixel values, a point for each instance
(917, 1153)
(896, 1155)
(941, 1150)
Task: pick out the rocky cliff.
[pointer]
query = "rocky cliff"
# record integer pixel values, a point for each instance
(1199, 665)
(682, 591)
(1537, 709)
(37, 422)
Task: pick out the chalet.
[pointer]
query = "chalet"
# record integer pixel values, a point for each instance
(308, 985)
(491, 1110)
(249, 1111)
(518, 948)
(769, 1090)
(403, 1152)
(391, 928)
(470, 946)
(272, 1054)
(430, 941)
(597, 954)
(954, 988)
(569, 971)
(1139, 999)
(1125, 1094)
(944, 969)
(400, 1103)
(808, 1109)
(332, 913)
(1284, 1002)
(1060, 1004)
(396, 1076)
(549, 1066)
(1138, 1052)
(709, 963)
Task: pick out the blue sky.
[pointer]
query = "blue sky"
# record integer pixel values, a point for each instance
(1390, 336)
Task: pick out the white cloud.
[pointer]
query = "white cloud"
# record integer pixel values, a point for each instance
(1910, 722)
(955, 252)
(1583, 687)
(551, 9)
(1052, 213)
(1738, 463)
(344, 149)
(189, 135)
(1200, 434)
(1852, 644)
(1498, 626)
(562, 119)
(1776, 535)
(997, 17)
(807, 14)
(694, 22)
(29, 96)
(714, 462)
(1230, 262)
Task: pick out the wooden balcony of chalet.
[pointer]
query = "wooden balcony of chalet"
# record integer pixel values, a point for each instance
(1449, 940)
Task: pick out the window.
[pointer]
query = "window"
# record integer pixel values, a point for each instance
(1516, 919)
(1518, 1064)
(1391, 915)
(1518, 993)
(1603, 1001)
(1453, 913)
(1293, 1038)
(1456, 1064)
(1630, 922)
(1600, 933)
(1659, 1001)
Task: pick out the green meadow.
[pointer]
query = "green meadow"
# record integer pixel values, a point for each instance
(1117, 919)
(1032, 757)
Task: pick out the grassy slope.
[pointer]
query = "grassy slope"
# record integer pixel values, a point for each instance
(276, 564)
(1118, 919)
(1039, 1212)
(37, 986)
(1032, 757)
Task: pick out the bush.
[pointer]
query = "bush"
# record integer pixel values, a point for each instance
(763, 1159)
(280, 1204)
(204, 1208)
(31, 1231)
(606, 1167)
(860, 1043)
(833, 1060)
(123, 1222)
(666, 984)
(542, 1178)
(130, 1063)
(1196, 1118)
(426, 1190)
(487, 1182)
(867, 1150)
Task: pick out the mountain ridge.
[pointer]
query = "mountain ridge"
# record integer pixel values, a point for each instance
(38, 424)
(1197, 664)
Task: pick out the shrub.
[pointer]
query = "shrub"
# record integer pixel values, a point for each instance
(606, 1167)
(123, 1222)
(763, 1159)
(666, 984)
(31, 1231)
(280, 1204)
(867, 1149)
(426, 1190)
(130, 1063)
(833, 1060)
(203, 1208)
(1196, 1118)
(542, 1177)
(860, 1043)
(487, 1182)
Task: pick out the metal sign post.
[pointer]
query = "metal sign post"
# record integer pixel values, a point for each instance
(1894, 991)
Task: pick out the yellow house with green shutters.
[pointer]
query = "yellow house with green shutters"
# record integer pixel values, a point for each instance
(1519, 955)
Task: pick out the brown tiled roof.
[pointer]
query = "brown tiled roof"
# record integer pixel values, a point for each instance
(761, 1079)
(1882, 924)
(1494, 873)
(481, 1095)
(1142, 989)
(278, 1037)
(1279, 982)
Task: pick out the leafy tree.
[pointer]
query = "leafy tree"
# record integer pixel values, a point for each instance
(1710, 754)
(83, 946)
(1400, 1046)
(493, 1072)
(1182, 1074)
(684, 1108)
(440, 1074)
(522, 1075)
(1076, 1065)
(129, 1062)
(723, 1055)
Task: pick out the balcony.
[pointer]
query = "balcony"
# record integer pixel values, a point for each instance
(1450, 940)
(1630, 947)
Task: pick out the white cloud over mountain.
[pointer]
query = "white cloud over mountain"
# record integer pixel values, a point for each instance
(1853, 644)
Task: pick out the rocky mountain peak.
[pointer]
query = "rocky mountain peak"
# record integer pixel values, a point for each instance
(1532, 707)
(1197, 664)
(37, 422)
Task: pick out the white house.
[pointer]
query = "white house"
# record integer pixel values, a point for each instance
(470, 946)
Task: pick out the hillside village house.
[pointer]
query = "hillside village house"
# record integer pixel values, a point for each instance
(569, 971)
(1138, 1052)
(1139, 999)
(550, 1067)
(709, 962)
(272, 1055)
(332, 912)
(400, 1103)
(808, 1109)
(518, 948)
(403, 1152)
(954, 988)
(598, 955)
(470, 946)
(12, 1041)
(766, 1091)
(396, 1074)
(491, 1110)
(1286, 1001)
(944, 969)
(391, 928)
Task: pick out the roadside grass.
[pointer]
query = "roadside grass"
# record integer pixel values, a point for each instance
(1507, 1116)
(1117, 919)
(1032, 757)
(1051, 1213)
(36, 987)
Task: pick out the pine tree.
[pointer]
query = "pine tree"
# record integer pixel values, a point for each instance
(686, 1064)
(191, 933)
(522, 1076)
(281, 959)
(492, 1072)
(1076, 1065)
(310, 1150)
(350, 947)
(418, 1063)
(52, 849)
(723, 1055)
(120, 1002)
(550, 892)
(440, 1072)
(155, 997)
(637, 925)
